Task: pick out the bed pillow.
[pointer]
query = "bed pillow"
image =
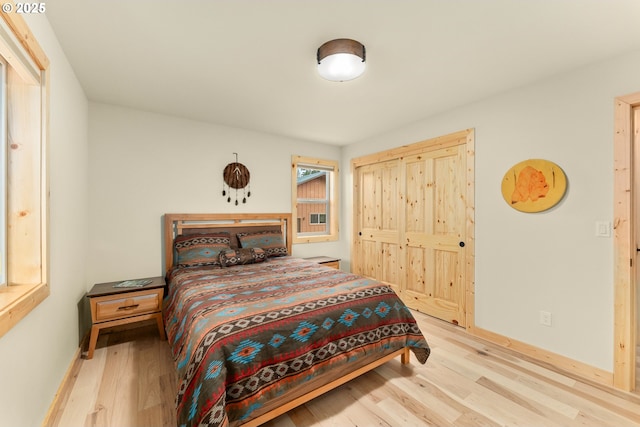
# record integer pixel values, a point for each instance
(200, 249)
(241, 256)
(271, 242)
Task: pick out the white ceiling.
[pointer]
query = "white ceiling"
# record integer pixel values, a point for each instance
(251, 63)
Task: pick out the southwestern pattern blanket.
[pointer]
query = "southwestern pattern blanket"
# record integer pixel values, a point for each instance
(243, 335)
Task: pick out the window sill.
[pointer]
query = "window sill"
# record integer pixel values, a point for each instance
(16, 301)
(313, 239)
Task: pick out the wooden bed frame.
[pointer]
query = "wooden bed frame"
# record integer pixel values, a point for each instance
(176, 224)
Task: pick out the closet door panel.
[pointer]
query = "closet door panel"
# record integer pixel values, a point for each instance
(419, 189)
(369, 259)
(448, 198)
(390, 267)
(419, 271)
(447, 283)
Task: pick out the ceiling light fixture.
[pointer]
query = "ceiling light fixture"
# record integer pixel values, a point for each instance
(340, 60)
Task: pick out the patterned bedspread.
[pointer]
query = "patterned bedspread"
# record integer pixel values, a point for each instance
(243, 335)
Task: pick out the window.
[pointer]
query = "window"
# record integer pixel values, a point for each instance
(318, 218)
(3, 172)
(314, 199)
(23, 172)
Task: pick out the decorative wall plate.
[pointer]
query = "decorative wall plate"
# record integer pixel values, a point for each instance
(534, 185)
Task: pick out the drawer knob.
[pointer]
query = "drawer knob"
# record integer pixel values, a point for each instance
(128, 307)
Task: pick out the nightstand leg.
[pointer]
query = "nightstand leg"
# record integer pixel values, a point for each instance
(161, 327)
(95, 330)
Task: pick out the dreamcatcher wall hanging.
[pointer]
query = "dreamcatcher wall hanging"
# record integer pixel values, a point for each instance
(236, 176)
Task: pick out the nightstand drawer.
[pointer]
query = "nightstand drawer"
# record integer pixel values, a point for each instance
(332, 264)
(327, 261)
(132, 304)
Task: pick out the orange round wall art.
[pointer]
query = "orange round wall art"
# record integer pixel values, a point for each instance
(534, 185)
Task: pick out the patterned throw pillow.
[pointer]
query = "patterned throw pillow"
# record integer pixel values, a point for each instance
(271, 242)
(241, 256)
(200, 249)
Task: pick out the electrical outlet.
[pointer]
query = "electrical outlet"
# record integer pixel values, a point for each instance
(545, 318)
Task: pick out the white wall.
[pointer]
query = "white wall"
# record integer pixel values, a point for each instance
(143, 165)
(548, 261)
(35, 354)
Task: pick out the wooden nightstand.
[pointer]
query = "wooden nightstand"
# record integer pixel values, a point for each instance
(119, 306)
(326, 261)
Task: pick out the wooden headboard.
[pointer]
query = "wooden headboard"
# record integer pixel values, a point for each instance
(177, 224)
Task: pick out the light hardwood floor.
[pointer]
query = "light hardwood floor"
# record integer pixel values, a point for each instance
(465, 382)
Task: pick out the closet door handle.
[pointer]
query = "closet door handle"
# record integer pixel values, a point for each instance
(461, 244)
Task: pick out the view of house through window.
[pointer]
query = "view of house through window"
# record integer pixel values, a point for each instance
(313, 199)
(315, 202)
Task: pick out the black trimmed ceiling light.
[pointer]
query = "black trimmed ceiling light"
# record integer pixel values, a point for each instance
(341, 60)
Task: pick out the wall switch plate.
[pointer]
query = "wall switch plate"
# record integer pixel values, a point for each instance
(545, 318)
(603, 228)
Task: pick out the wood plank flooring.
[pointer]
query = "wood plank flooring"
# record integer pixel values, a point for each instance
(466, 382)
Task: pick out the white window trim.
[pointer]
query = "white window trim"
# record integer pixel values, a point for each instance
(332, 213)
(27, 259)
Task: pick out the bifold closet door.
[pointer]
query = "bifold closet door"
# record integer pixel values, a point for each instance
(377, 240)
(410, 229)
(434, 233)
